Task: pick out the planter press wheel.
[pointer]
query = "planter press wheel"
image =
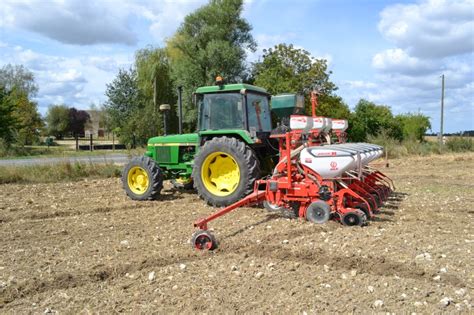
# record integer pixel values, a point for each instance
(377, 199)
(318, 212)
(203, 240)
(363, 208)
(354, 218)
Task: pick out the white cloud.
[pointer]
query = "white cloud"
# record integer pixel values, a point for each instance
(71, 22)
(266, 41)
(75, 81)
(431, 38)
(166, 16)
(433, 28)
(360, 84)
(398, 61)
(96, 22)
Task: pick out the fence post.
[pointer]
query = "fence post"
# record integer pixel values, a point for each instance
(113, 141)
(91, 142)
(77, 141)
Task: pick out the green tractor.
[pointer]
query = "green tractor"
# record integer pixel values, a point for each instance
(222, 159)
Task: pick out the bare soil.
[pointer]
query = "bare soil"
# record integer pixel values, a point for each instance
(81, 247)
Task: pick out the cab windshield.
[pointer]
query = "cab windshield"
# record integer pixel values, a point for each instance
(220, 111)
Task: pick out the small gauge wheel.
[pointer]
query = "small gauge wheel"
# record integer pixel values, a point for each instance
(354, 218)
(203, 240)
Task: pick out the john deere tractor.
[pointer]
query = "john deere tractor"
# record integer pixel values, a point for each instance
(221, 160)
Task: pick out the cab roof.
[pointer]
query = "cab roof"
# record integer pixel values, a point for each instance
(229, 88)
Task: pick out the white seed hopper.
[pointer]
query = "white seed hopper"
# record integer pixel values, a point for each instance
(340, 124)
(322, 124)
(328, 126)
(301, 122)
(319, 123)
(333, 160)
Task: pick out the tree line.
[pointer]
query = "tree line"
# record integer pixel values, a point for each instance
(213, 40)
(21, 123)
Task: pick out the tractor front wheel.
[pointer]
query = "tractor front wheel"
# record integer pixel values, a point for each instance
(225, 170)
(142, 179)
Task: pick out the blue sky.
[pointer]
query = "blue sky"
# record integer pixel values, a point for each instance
(390, 52)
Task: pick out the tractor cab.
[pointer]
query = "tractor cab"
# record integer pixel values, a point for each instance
(234, 108)
(230, 149)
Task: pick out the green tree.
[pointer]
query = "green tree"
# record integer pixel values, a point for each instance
(123, 97)
(357, 131)
(125, 106)
(333, 106)
(414, 126)
(156, 88)
(131, 97)
(20, 77)
(25, 113)
(371, 119)
(57, 120)
(286, 69)
(8, 123)
(211, 41)
(18, 85)
(77, 121)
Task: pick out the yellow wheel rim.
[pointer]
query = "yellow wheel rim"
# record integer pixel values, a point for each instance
(138, 180)
(220, 174)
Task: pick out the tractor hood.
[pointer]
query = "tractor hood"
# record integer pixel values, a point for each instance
(172, 140)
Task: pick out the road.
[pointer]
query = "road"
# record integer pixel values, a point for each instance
(96, 159)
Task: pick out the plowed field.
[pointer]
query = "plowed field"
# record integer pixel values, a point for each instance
(80, 247)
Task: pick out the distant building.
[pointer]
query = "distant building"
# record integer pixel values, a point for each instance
(95, 124)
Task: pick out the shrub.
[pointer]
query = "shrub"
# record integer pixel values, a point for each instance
(460, 144)
(4, 148)
(57, 172)
(397, 149)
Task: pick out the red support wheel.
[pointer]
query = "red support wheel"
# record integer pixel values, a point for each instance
(203, 240)
(354, 218)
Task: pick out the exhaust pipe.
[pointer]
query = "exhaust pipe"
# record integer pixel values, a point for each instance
(180, 110)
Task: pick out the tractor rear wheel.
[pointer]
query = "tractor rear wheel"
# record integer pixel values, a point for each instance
(225, 170)
(142, 179)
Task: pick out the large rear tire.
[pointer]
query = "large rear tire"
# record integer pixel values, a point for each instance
(225, 170)
(142, 179)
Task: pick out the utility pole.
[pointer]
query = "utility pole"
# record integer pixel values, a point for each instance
(442, 110)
